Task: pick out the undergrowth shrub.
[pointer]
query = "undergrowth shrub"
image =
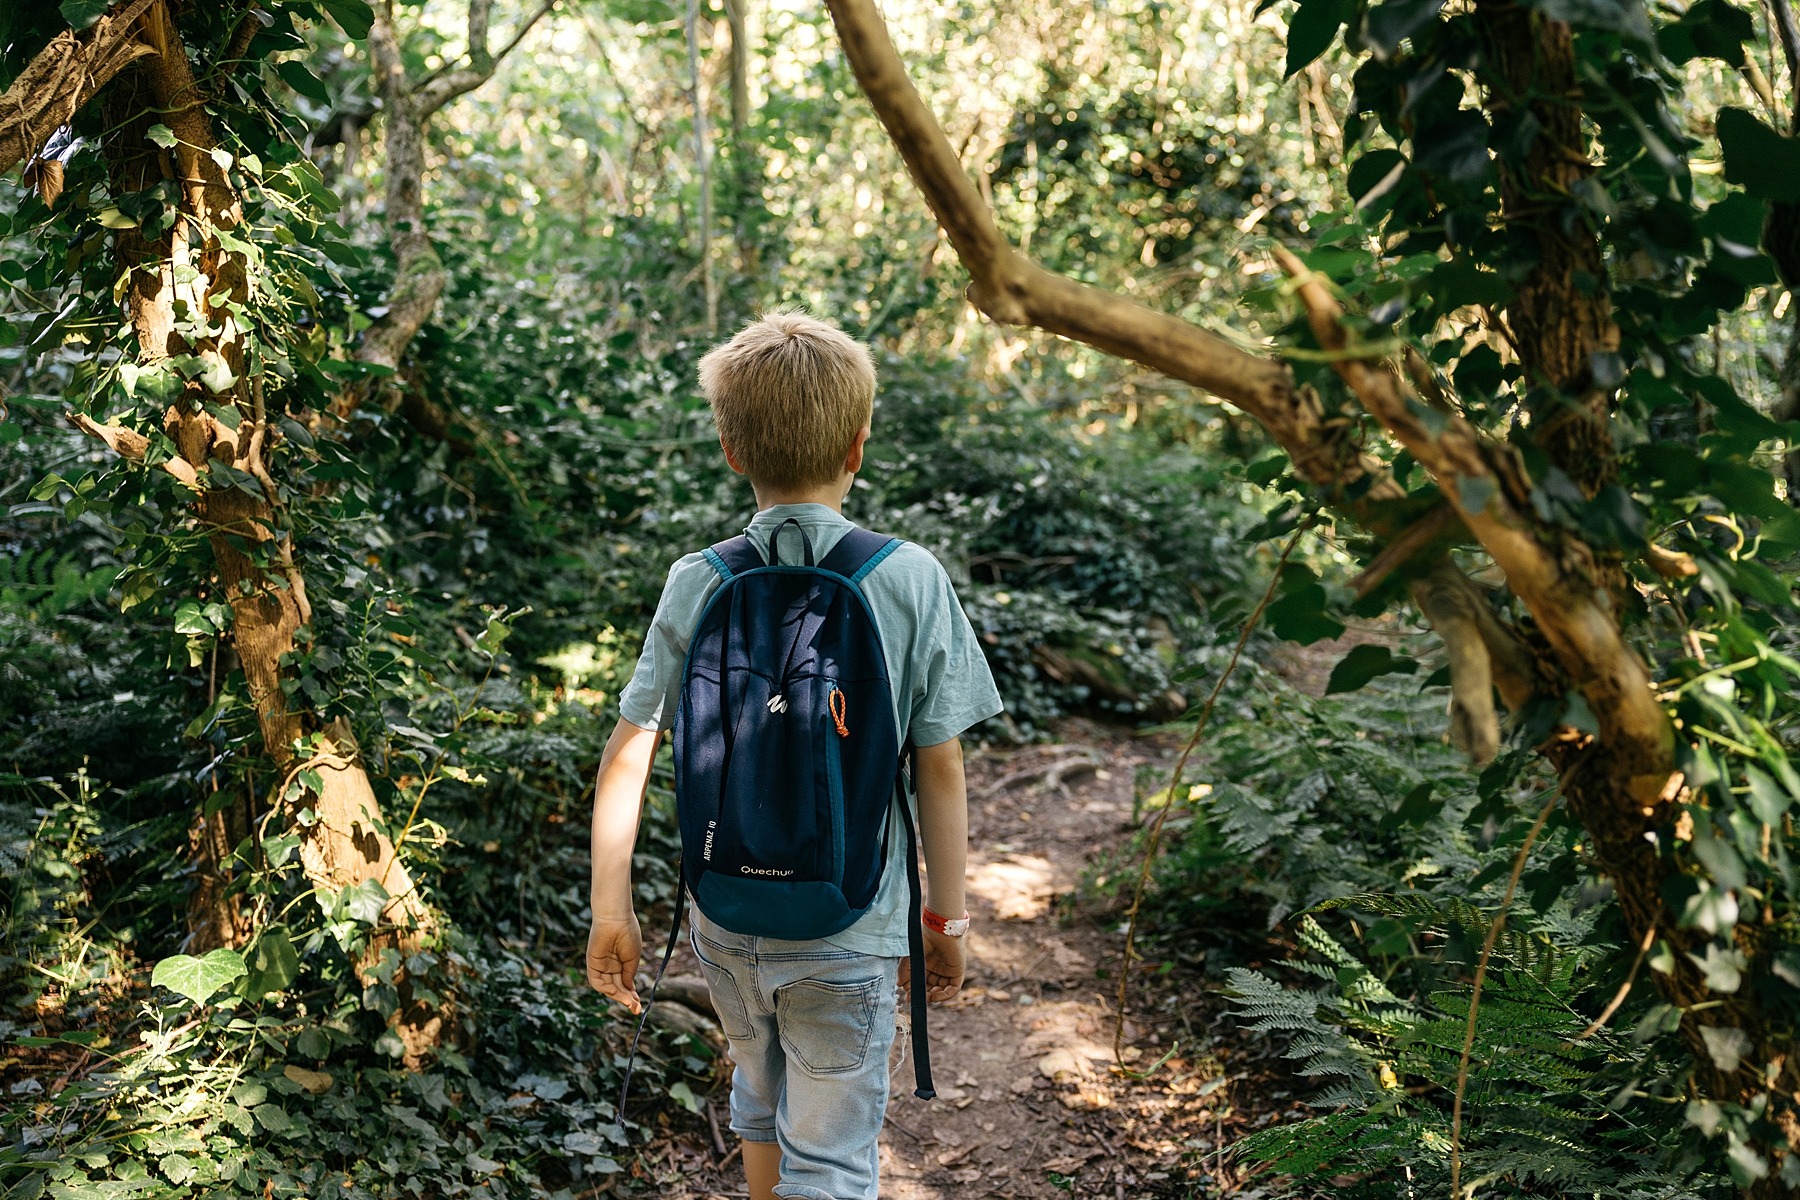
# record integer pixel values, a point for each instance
(1376, 859)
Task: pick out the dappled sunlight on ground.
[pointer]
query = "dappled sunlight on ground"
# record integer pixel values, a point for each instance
(1019, 886)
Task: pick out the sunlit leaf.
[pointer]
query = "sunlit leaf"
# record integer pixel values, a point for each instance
(197, 979)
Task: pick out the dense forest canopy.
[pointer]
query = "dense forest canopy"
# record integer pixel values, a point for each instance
(348, 424)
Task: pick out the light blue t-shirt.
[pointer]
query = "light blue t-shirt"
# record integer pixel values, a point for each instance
(940, 681)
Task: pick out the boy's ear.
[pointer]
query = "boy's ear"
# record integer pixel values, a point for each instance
(731, 459)
(853, 461)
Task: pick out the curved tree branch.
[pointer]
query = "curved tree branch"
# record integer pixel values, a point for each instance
(1012, 289)
(1009, 287)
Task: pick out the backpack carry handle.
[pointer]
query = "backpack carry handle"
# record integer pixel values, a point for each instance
(805, 542)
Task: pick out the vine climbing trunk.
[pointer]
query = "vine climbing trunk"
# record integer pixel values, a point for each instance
(184, 292)
(1560, 324)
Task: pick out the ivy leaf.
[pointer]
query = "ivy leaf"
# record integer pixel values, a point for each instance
(273, 965)
(1314, 27)
(1390, 23)
(198, 978)
(1767, 798)
(1726, 1045)
(1363, 664)
(295, 75)
(354, 17)
(1711, 29)
(163, 136)
(82, 13)
(1375, 175)
(1764, 162)
(683, 1095)
(361, 902)
(1300, 617)
(215, 373)
(1624, 17)
(191, 618)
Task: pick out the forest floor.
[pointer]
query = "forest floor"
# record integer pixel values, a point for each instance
(1030, 1101)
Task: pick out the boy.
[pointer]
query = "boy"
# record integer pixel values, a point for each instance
(810, 1023)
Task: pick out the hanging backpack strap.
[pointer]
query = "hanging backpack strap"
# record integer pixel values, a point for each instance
(668, 952)
(733, 556)
(859, 552)
(915, 934)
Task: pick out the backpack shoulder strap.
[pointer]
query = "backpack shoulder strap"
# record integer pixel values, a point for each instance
(733, 556)
(859, 552)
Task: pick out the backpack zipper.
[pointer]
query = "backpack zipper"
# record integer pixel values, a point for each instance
(834, 779)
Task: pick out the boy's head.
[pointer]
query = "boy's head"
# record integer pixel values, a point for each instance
(790, 393)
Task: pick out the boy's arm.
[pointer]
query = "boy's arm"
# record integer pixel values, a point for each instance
(944, 835)
(614, 942)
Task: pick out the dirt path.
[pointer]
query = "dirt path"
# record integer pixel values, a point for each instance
(1029, 1102)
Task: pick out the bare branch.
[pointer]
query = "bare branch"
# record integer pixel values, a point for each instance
(1437, 523)
(437, 90)
(1011, 288)
(1474, 722)
(132, 445)
(1789, 31)
(62, 78)
(479, 12)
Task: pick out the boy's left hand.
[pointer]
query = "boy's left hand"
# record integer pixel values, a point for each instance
(943, 967)
(614, 946)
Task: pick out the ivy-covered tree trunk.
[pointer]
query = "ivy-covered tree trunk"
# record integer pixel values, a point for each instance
(185, 293)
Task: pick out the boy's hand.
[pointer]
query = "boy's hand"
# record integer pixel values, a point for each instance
(614, 945)
(943, 967)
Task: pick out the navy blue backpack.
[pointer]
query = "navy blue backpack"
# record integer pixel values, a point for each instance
(786, 755)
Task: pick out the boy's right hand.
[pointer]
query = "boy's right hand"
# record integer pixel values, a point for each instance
(943, 967)
(614, 946)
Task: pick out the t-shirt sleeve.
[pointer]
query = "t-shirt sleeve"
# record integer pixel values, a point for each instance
(649, 699)
(953, 687)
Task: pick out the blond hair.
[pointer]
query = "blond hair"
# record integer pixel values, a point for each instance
(790, 393)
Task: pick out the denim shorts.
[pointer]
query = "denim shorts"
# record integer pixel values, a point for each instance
(810, 1026)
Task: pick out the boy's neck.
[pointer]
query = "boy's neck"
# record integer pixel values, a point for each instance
(831, 495)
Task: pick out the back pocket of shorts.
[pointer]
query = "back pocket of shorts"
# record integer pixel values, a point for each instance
(827, 1026)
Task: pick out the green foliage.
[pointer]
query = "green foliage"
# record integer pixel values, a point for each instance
(485, 531)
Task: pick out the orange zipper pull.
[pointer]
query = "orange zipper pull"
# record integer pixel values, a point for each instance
(836, 705)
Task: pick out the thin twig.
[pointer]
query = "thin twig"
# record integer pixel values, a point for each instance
(1487, 949)
(1137, 900)
(1624, 988)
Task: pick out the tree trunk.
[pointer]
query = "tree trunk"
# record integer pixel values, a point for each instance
(743, 150)
(1560, 316)
(419, 275)
(703, 167)
(1561, 324)
(347, 844)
